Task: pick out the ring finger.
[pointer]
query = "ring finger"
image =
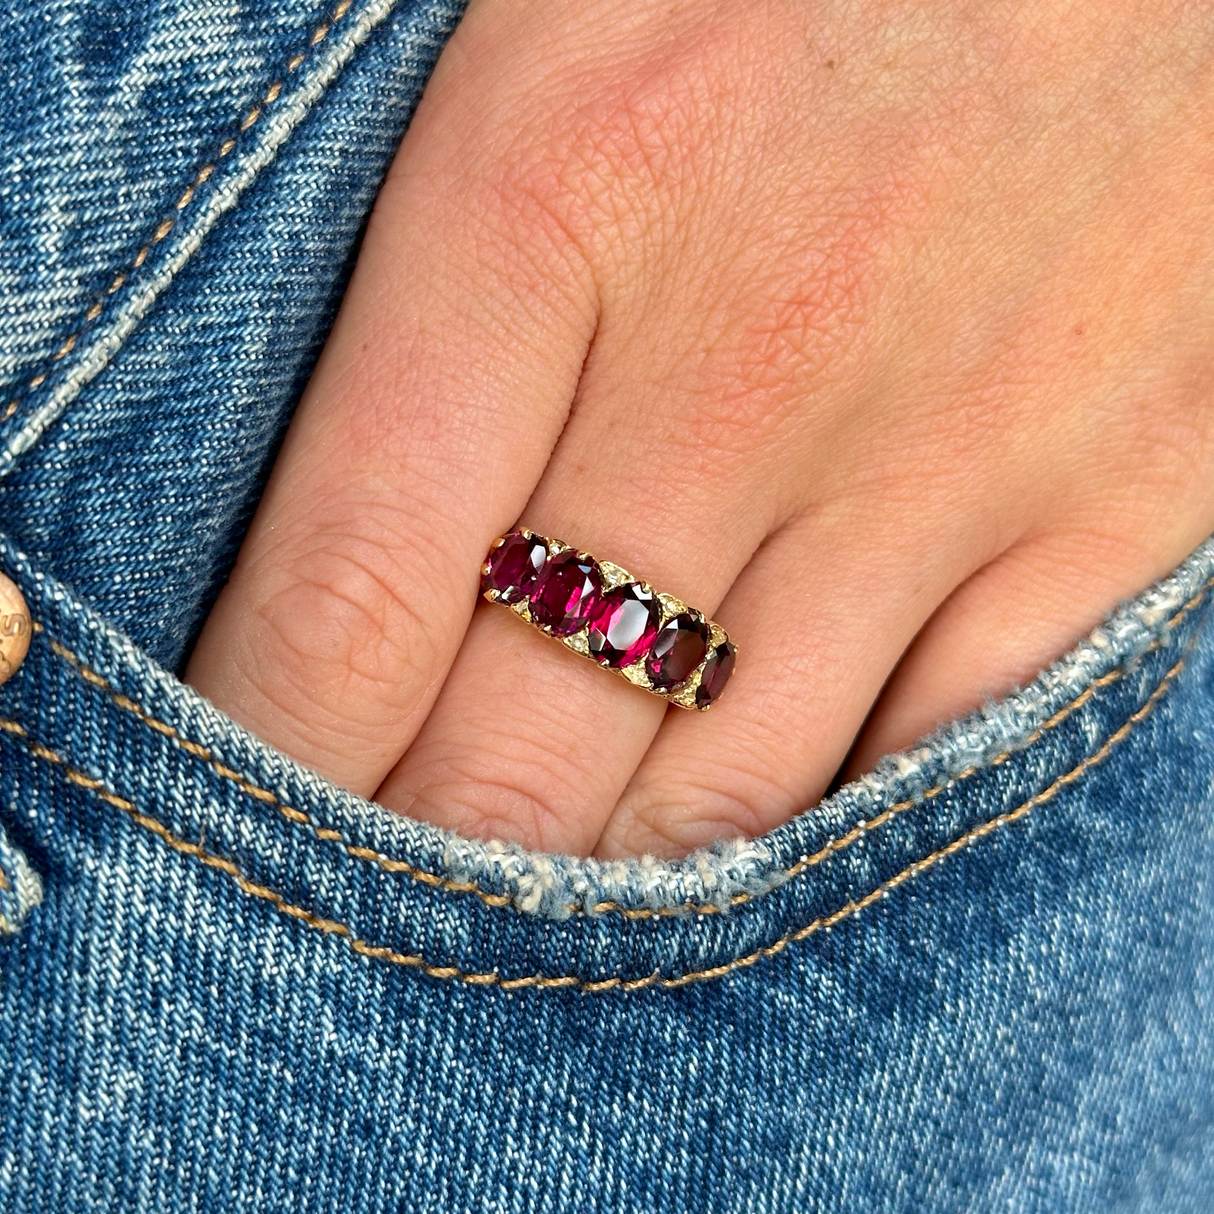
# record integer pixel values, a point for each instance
(527, 741)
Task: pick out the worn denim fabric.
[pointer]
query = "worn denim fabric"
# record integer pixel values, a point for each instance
(981, 979)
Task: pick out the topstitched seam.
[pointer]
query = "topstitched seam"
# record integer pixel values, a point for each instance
(572, 981)
(433, 880)
(166, 225)
(264, 795)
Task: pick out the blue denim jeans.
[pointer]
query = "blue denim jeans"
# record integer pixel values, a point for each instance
(980, 979)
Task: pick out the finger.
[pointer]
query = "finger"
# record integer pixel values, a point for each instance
(527, 741)
(1006, 624)
(826, 608)
(431, 414)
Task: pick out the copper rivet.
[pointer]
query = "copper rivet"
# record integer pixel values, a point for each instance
(14, 628)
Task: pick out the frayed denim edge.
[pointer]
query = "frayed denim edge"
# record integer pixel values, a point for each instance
(549, 885)
(555, 886)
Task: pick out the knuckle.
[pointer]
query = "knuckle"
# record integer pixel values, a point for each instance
(681, 818)
(1169, 436)
(730, 427)
(705, 437)
(644, 128)
(802, 308)
(787, 335)
(679, 804)
(341, 629)
(531, 802)
(628, 141)
(791, 336)
(549, 194)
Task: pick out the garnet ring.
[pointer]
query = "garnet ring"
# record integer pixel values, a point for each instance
(601, 611)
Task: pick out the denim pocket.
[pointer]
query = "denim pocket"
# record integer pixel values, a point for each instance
(985, 970)
(98, 710)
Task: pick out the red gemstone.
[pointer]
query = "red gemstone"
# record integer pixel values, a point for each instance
(624, 625)
(677, 650)
(716, 674)
(513, 566)
(566, 593)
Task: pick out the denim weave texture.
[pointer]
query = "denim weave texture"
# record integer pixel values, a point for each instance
(980, 979)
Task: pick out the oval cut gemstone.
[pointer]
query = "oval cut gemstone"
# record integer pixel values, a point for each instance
(677, 650)
(624, 625)
(566, 593)
(716, 674)
(513, 566)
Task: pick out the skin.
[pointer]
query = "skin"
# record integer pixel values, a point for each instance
(881, 332)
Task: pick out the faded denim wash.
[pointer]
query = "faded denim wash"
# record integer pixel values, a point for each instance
(980, 979)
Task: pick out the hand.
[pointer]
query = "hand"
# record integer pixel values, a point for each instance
(883, 333)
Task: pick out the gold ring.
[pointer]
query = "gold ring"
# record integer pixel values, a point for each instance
(598, 609)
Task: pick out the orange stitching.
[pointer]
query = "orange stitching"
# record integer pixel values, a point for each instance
(184, 200)
(434, 881)
(572, 981)
(264, 795)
